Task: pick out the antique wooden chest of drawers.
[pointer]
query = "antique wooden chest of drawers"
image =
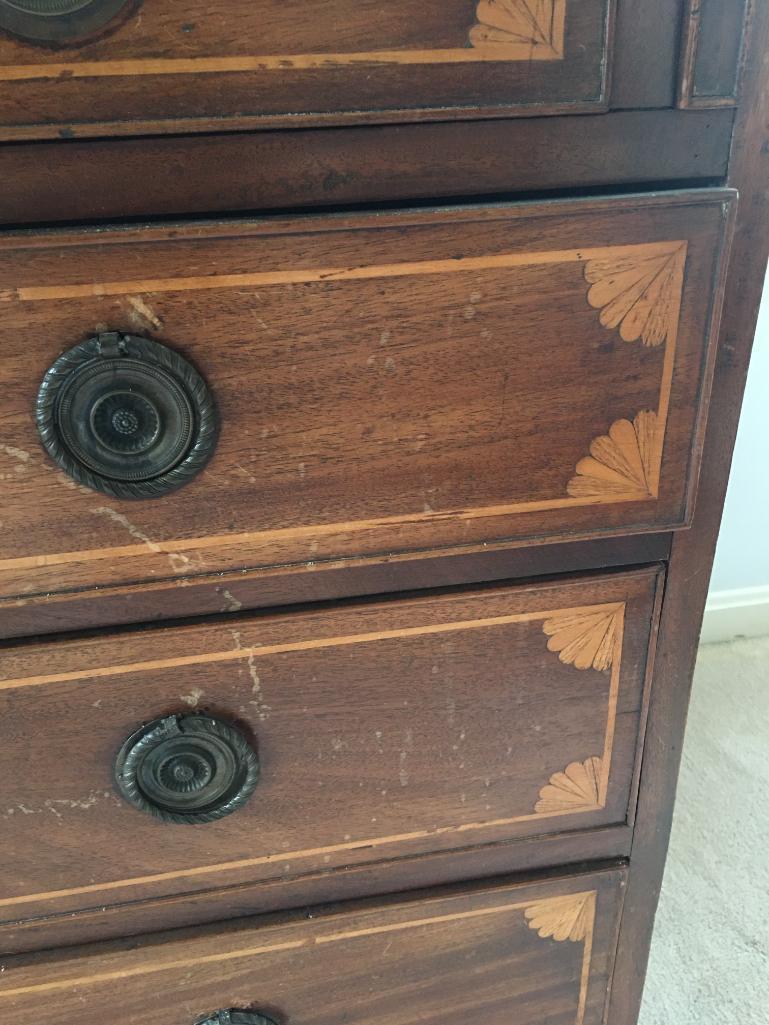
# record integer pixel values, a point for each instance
(370, 377)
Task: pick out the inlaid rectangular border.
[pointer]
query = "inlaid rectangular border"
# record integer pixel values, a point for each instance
(614, 611)
(505, 30)
(567, 917)
(600, 264)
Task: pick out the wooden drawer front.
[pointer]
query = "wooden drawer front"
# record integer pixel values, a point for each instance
(390, 384)
(178, 67)
(382, 730)
(529, 954)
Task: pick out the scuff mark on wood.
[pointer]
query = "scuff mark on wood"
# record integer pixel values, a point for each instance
(141, 314)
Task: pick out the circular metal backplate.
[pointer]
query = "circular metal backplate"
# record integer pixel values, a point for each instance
(187, 769)
(236, 1018)
(127, 416)
(58, 21)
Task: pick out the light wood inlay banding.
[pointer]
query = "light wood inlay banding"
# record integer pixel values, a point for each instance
(349, 845)
(144, 67)
(579, 493)
(586, 638)
(245, 653)
(506, 30)
(306, 275)
(549, 916)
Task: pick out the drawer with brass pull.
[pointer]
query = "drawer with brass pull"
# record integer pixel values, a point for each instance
(122, 66)
(348, 387)
(173, 761)
(526, 954)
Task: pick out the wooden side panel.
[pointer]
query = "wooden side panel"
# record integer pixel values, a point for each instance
(437, 723)
(255, 62)
(389, 384)
(692, 554)
(531, 954)
(712, 48)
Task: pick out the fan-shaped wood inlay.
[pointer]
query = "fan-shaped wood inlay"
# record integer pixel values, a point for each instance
(586, 639)
(623, 464)
(576, 789)
(640, 294)
(563, 918)
(506, 24)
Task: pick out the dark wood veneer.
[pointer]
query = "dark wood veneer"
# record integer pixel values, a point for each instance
(534, 952)
(135, 918)
(368, 729)
(175, 67)
(233, 593)
(692, 553)
(334, 166)
(379, 386)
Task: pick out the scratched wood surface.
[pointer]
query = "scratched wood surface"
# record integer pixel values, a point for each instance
(179, 67)
(383, 729)
(534, 954)
(406, 382)
(374, 164)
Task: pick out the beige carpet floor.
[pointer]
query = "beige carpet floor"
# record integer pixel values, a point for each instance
(710, 955)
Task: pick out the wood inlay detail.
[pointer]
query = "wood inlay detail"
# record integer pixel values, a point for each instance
(576, 789)
(349, 845)
(570, 917)
(621, 468)
(504, 26)
(506, 30)
(639, 293)
(585, 638)
(623, 463)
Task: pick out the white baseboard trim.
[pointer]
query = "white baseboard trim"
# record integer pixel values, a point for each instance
(743, 612)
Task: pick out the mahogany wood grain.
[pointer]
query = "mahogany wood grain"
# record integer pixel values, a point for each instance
(383, 730)
(231, 593)
(227, 903)
(175, 67)
(418, 381)
(692, 553)
(97, 179)
(537, 953)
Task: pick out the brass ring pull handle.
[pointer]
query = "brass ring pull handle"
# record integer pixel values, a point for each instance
(57, 21)
(233, 1017)
(187, 769)
(127, 416)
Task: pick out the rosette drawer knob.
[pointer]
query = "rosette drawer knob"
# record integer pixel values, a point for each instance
(58, 21)
(187, 768)
(237, 1018)
(127, 416)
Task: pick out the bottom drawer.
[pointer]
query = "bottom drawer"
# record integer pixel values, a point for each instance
(525, 954)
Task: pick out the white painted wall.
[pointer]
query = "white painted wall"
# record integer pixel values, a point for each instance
(739, 590)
